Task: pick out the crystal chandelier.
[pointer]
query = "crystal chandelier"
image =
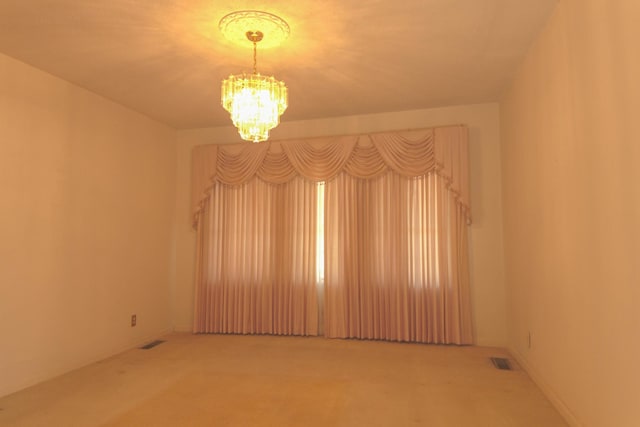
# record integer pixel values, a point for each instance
(255, 102)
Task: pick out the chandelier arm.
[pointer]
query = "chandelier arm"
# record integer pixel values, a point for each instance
(255, 37)
(255, 57)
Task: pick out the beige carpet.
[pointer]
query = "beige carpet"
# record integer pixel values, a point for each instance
(213, 380)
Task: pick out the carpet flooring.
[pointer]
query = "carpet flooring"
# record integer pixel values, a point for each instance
(227, 380)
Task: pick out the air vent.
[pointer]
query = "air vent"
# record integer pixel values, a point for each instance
(151, 344)
(501, 363)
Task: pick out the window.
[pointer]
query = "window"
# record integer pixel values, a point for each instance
(376, 249)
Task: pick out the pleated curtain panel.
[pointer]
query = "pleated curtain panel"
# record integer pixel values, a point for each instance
(352, 237)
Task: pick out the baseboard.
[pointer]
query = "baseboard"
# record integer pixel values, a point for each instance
(547, 390)
(62, 370)
(183, 328)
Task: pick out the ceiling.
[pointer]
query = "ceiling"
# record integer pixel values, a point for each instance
(166, 58)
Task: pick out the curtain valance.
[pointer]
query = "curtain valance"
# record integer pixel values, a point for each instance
(441, 150)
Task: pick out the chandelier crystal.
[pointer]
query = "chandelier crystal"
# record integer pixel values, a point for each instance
(254, 102)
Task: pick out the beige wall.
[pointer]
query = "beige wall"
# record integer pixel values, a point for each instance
(487, 269)
(86, 211)
(571, 186)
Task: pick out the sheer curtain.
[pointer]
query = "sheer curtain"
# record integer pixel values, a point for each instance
(257, 259)
(392, 267)
(396, 212)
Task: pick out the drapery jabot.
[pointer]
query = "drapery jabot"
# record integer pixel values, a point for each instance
(440, 150)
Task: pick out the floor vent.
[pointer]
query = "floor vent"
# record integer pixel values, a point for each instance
(151, 344)
(501, 363)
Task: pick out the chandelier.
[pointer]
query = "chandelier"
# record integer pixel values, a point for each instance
(254, 102)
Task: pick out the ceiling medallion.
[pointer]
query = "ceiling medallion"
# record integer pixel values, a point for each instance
(254, 102)
(235, 25)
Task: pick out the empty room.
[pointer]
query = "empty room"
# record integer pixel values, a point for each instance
(319, 213)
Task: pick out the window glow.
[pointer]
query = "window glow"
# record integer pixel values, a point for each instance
(320, 234)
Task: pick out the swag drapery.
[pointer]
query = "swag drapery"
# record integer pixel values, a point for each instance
(396, 210)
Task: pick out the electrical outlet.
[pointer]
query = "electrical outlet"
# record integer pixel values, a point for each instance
(134, 320)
